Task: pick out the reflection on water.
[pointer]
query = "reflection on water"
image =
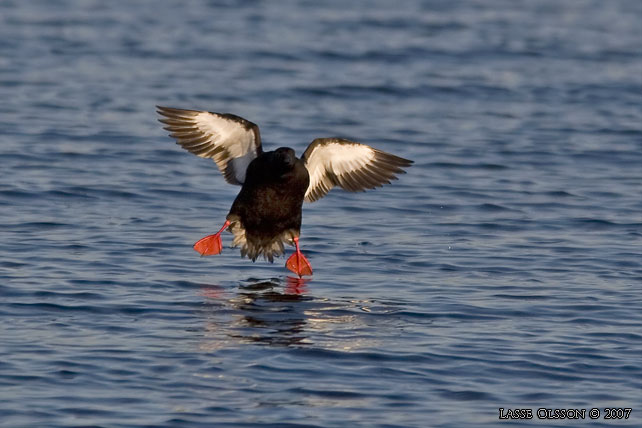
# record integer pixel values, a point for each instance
(278, 312)
(261, 311)
(268, 315)
(296, 285)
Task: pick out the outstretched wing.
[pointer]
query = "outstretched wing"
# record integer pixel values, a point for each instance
(231, 141)
(353, 166)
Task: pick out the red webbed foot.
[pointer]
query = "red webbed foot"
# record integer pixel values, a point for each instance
(298, 263)
(211, 244)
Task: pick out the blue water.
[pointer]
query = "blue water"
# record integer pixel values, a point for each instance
(503, 271)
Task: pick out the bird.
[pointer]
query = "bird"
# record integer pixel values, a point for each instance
(267, 211)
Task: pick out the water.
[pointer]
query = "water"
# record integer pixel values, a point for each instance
(504, 270)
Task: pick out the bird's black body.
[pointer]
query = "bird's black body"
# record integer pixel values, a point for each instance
(267, 211)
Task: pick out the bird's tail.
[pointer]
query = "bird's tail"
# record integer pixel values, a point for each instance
(254, 245)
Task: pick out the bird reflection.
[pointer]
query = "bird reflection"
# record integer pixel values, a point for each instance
(261, 311)
(296, 285)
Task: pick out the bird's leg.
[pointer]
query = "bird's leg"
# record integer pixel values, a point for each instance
(211, 244)
(297, 262)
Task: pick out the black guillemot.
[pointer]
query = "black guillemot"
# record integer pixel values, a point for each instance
(267, 211)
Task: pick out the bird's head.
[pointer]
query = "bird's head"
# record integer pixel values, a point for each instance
(286, 155)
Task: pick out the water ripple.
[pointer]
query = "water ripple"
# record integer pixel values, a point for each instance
(503, 270)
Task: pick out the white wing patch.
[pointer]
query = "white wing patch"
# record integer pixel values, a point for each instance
(329, 164)
(231, 141)
(350, 165)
